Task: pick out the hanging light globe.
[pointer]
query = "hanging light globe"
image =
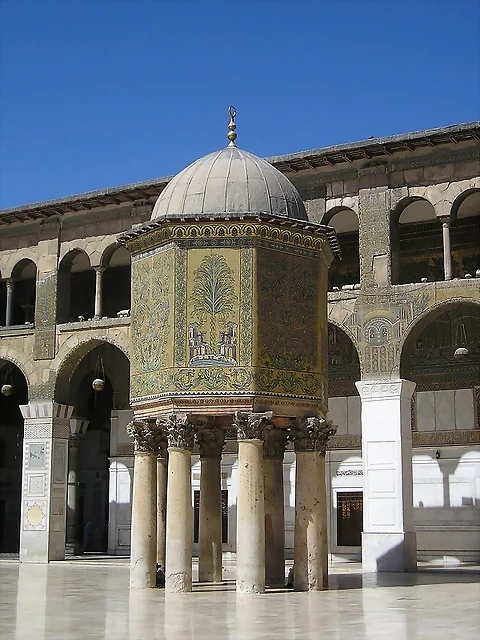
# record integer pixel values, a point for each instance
(98, 384)
(460, 353)
(7, 390)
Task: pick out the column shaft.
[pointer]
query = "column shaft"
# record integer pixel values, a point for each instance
(9, 302)
(250, 518)
(447, 252)
(162, 472)
(72, 541)
(144, 521)
(179, 521)
(210, 521)
(310, 568)
(98, 291)
(274, 523)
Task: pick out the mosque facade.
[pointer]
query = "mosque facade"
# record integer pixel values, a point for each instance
(91, 351)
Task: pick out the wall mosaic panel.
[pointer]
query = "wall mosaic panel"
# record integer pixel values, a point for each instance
(193, 330)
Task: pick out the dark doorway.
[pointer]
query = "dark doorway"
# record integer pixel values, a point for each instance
(349, 518)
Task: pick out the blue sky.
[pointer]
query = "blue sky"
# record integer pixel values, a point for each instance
(99, 93)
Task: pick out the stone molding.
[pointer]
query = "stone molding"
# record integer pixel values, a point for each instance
(445, 438)
(145, 435)
(386, 389)
(312, 434)
(274, 443)
(179, 429)
(251, 426)
(211, 442)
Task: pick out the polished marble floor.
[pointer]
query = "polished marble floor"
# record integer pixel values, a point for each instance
(77, 600)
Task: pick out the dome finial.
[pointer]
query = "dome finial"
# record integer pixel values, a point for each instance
(232, 136)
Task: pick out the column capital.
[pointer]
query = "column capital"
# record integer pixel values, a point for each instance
(445, 220)
(274, 442)
(9, 283)
(145, 435)
(385, 389)
(179, 429)
(312, 434)
(78, 426)
(211, 441)
(251, 426)
(99, 269)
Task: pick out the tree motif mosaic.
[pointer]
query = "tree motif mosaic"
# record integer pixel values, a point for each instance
(213, 333)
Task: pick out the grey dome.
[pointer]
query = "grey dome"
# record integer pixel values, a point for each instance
(230, 181)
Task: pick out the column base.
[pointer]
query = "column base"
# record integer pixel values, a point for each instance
(73, 549)
(396, 552)
(242, 586)
(178, 583)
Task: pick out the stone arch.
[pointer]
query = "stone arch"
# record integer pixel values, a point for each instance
(344, 272)
(344, 362)
(413, 330)
(11, 434)
(76, 287)
(465, 233)
(24, 282)
(71, 358)
(116, 280)
(93, 406)
(460, 200)
(414, 226)
(10, 355)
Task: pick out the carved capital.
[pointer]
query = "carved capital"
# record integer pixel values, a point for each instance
(251, 426)
(145, 435)
(179, 429)
(274, 442)
(312, 434)
(211, 442)
(162, 442)
(74, 440)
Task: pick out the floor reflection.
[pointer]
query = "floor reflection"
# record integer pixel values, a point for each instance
(72, 601)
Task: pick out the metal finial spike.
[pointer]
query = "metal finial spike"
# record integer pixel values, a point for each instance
(232, 136)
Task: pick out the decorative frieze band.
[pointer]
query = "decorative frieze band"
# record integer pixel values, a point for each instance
(210, 442)
(312, 434)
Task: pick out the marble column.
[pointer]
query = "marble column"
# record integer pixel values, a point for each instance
(211, 443)
(98, 292)
(9, 302)
(273, 451)
(250, 502)
(77, 429)
(388, 539)
(44, 481)
(143, 553)
(310, 541)
(180, 432)
(162, 474)
(447, 252)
